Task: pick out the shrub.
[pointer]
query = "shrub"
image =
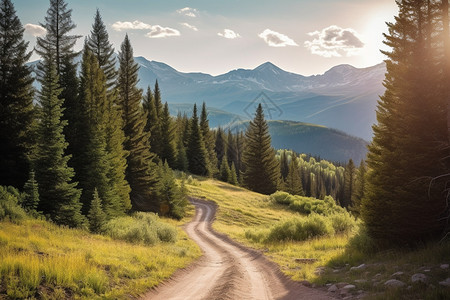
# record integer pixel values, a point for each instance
(9, 205)
(342, 222)
(144, 228)
(281, 198)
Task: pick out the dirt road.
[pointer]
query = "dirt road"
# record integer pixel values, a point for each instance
(228, 270)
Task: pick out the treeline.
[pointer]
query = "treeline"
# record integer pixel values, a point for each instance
(82, 151)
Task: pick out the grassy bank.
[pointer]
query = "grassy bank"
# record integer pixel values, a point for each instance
(41, 260)
(327, 259)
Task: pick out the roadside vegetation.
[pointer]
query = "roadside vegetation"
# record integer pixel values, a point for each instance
(324, 245)
(42, 260)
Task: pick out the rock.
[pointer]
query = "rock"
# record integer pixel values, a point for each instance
(444, 266)
(397, 274)
(349, 287)
(340, 285)
(305, 260)
(394, 283)
(446, 282)
(360, 281)
(306, 283)
(377, 275)
(333, 288)
(360, 267)
(419, 277)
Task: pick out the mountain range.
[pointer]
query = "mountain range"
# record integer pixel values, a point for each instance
(343, 98)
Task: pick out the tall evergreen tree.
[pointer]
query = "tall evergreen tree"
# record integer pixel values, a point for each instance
(99, 44)
(220, 146)
(96, 216)
(349, 183)
(31, 190)
(59, 196)
(224, 171)
(208, 140)
(60, 43)
(153, 125)
(141, 170)
(293, 182)
(358, 191)
(284, 164)
(262, 169)
(168, 137)
(16, 99)
(233, 178)
(400, 205)
(196, 151)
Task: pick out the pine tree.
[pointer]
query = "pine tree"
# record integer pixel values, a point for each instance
(182, 161)
(153, 126)
(196, 151)
(96, 216)
(16, 99)
(232, 151)
(233, 178)
(284, 164)
(358, 191)
(349, 183)
(293, 183)
(262, 169)
(141, 170)
(209, 141)
(220, 146)
(167, 138)
(99, 44)
(172, 198)
(31, 190)
(60, 43)
(224, 171)
(400, 205)
(59, 196)
(94, 162)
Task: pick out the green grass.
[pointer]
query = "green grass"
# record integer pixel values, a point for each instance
(41, 260)
(249, 218)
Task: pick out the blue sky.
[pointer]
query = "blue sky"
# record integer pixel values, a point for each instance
(211, 36)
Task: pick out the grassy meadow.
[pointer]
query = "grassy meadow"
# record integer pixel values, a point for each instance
(45, 261)
(328, 258)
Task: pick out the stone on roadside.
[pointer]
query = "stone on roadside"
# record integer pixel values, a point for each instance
(333, 288)
(360, 267)
(360, 281)
(444, 266)
(419, 277)
(396, 274)
(446, 282)
(394, 283)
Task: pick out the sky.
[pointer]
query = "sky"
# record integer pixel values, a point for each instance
(306, 37)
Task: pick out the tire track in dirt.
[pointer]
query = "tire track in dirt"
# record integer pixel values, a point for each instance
(228, 270)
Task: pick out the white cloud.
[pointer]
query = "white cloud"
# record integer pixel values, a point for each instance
(229, 34)
(276, 39)
(189, 26)
(188, 11)
(35, 30)
(158, 31)
(335, 41)
(119, 26)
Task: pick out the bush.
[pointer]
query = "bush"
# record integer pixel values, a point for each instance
(281, 198)
(9, 205)
(299, 229)
(342, 222)
(143, 228)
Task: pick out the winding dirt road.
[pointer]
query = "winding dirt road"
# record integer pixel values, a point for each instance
(228, 270)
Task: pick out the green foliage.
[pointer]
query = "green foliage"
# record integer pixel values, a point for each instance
(208, 140)
(224, 171)
(59, 196)
(16, 99)
(196, 151)
(172, 197)
(410, 140)
(141, 172)
(261, 167)
(233, 178)
(141, 228)
(31, 194)
(96, 216)
(307, 205)
(167, 141)
(9, 205)
(293, 182)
